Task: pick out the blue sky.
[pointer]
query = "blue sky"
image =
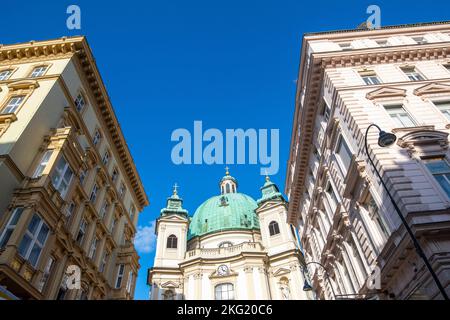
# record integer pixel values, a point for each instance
(231, 64)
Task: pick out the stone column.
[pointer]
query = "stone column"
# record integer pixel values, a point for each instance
(250, 283)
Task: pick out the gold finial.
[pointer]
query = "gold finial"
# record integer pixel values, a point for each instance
(227, 172)
(175, 187)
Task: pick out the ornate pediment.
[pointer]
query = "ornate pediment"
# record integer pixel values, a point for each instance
(170, 284)
(269, 205)
(280, 272)
(23, 85)
(432, 88)
(173, 218)
(386, 92)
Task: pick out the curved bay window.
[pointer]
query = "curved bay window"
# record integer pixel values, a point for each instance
(172, 242)
(224, 291)
(274, 228)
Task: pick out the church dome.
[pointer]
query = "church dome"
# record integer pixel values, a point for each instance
(229, 211)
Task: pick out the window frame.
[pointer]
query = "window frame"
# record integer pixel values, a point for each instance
(40, 73)
(97, 137)
(414, 75)
(368, 77)
(34, 240)
(104, 208)
(93, 248)
(435, 103)
(129, 282)
(49, 266)
(119, 277)
(106, 158)
(10, 226)
(332, 198)
(14, 108)
(342, 142)
(7, 76)
(172, 242)
(394, 121)
(81, 228)
(221, 291)
(42, 163)
(274, 228)
(93, 195)
(62, 176)
(80, 98)
(435, 181)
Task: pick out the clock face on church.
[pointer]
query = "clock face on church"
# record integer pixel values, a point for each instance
(222, 270)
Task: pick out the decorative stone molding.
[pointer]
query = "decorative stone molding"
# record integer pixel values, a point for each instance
(26, 85)
(5, 121)
(423, 140)
(432, 88)
(356, 172)
(248, 269)
(198, 276)
(386, 92)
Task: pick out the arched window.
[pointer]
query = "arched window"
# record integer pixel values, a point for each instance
(172, 242)
(224, 291)
(225, 244)
(227, 187)
(274, 228)
(234, 188)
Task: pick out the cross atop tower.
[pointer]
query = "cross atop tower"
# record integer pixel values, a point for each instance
(227, 172)
(175, 188)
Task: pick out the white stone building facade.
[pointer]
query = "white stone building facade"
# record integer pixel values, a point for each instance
(398, 78)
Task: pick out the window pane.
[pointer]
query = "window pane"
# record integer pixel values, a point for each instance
(43, 234)
(34, 255)
(34, 224)
(16, 216)
(344, 153)
(444, 184)
(438, 166)
(406, 120)
(6, 237)
(24, 245)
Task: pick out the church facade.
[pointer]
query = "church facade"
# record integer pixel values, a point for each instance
(233, 247)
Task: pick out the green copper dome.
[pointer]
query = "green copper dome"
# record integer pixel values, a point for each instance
(229, 211)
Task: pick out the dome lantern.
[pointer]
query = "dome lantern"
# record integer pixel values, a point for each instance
(228, 184)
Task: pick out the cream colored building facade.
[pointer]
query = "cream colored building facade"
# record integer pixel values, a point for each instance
(399, 78)
(70, 194)
(233, 247)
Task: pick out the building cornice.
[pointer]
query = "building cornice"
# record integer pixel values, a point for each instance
(79, 47)
(394, 29)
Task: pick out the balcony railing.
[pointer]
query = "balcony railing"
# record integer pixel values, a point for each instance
(225, 251)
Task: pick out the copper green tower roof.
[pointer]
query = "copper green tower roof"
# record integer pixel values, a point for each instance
(229, 211)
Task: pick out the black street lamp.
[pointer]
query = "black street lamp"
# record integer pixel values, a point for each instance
(386, 139)
(308, 287)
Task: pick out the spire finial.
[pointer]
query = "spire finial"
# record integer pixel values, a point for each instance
(175, 189)
(267, 175)
(227, 172)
